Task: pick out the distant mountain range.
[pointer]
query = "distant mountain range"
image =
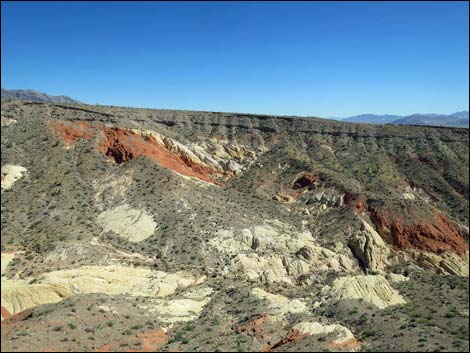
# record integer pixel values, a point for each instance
(30, 95)
(459, 119)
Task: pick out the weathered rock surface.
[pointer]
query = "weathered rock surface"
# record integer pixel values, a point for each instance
(342, 335)
(117, 279)
(11, 174)
(446, 263)
(6, 259)
(279, 305)
(51, 287)
(112, 189)
(130, 223)
(369, 247)
(191, 193)
(183, 309)
(19, 296)
(71, 131)
(437, 235)
(122, 145)
(7, 121)
(372, 289)
(276, 252)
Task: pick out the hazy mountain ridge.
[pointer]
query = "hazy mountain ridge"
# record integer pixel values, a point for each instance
(458, 119)
(35, 96)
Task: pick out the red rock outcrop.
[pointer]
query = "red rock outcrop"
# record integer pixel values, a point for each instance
(351, 344)
(5, 313)
(122, 145)
(10, 323)
(303, 181)
(436, 236)
(356, 200)
(71, 131)
(292, 336)
(255, 327)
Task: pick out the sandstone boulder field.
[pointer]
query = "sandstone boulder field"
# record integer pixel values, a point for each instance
(131, 229)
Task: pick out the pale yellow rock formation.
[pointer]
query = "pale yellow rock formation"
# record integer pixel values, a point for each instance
(277, 252)
(369, 247)
(51, 287)
(112, 189)
(447, 263)
(342, 334)
(11, 174)
(267, 269)
(279, 305)
(6, 259)
(18, 296)
(130, 223)
(7, 121)
(372, 289)
(397, 278)
(115, 280)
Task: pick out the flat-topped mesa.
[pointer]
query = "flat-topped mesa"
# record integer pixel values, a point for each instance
(436, 236)
(123, 144)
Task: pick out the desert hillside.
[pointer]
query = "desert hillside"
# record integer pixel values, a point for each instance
(128, 229)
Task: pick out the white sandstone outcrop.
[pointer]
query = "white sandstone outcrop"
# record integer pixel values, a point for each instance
(265, 269)
(7, 121)
(130, 223)
(52, 287)
(369, 247)
(342, 334)
(11, 174)
(277, 252)
(117, 279)
(446, 263)
(183, 309)
(397, 278)
(19, 295)
(112, 188)
(372, 289)
(279, 305)
(6, 259)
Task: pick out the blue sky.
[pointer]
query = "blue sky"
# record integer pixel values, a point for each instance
(297, 58)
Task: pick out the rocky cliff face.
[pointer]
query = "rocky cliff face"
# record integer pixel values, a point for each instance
(174, 230)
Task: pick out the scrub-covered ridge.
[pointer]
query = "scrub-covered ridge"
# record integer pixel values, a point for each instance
(158, 230)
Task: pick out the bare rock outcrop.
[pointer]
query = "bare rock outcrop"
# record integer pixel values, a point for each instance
(279, 305)
(342, 336)
(11, 174)
(437, 235)
(276, 252)
(369, 248)
(371, 289)
(445, 263)
(130, 223)
(156, 286)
